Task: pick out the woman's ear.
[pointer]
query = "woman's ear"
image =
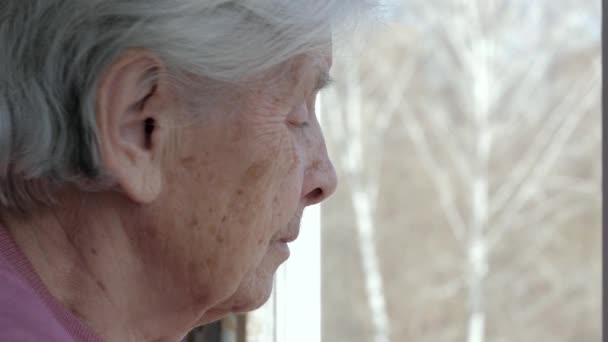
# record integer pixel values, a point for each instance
(132, 96)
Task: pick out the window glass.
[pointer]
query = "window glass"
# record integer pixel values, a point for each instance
(466, 135)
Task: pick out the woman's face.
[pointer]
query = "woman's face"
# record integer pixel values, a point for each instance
(235, 185)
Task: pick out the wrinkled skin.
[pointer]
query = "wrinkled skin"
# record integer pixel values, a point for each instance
(254, 171)
(203, 200)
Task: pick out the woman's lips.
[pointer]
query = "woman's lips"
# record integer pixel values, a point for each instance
(281, 247)
(289, 238)
(292, 233)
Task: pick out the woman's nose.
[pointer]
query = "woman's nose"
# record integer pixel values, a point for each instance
(320, 180)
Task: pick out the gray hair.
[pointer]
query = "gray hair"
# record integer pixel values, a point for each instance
(52, 53)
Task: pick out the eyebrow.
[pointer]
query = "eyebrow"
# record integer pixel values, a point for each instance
(324, 80)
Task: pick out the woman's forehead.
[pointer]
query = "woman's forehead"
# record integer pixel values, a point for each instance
(305, 72)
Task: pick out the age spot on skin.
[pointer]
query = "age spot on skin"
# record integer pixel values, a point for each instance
(101, 286)
(224, 219)
(74, 310)
(93, 251)
(200, 298)
(257, 170)
(187, 161)
(293, 163)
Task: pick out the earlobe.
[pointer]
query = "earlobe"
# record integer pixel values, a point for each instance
(130, 103)
(142, 187)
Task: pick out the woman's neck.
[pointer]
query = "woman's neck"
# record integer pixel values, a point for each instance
(86, 262)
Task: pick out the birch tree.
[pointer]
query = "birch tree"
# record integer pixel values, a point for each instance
(503, 112)
(507, 93)
(359, 137)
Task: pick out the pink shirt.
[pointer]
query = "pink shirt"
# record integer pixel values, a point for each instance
(28, 311)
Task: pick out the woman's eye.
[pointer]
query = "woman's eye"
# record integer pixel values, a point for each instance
(299, 116)
(302, 124)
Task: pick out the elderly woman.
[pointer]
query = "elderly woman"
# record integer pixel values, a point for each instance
(155, 159)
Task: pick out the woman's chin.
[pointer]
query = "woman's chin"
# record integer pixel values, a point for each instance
(253, 292)
(251, 301)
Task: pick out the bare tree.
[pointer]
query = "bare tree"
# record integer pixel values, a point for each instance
(500, 100)
(358, 135)
(496, 83)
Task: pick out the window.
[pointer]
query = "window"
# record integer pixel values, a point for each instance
(466, 135)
